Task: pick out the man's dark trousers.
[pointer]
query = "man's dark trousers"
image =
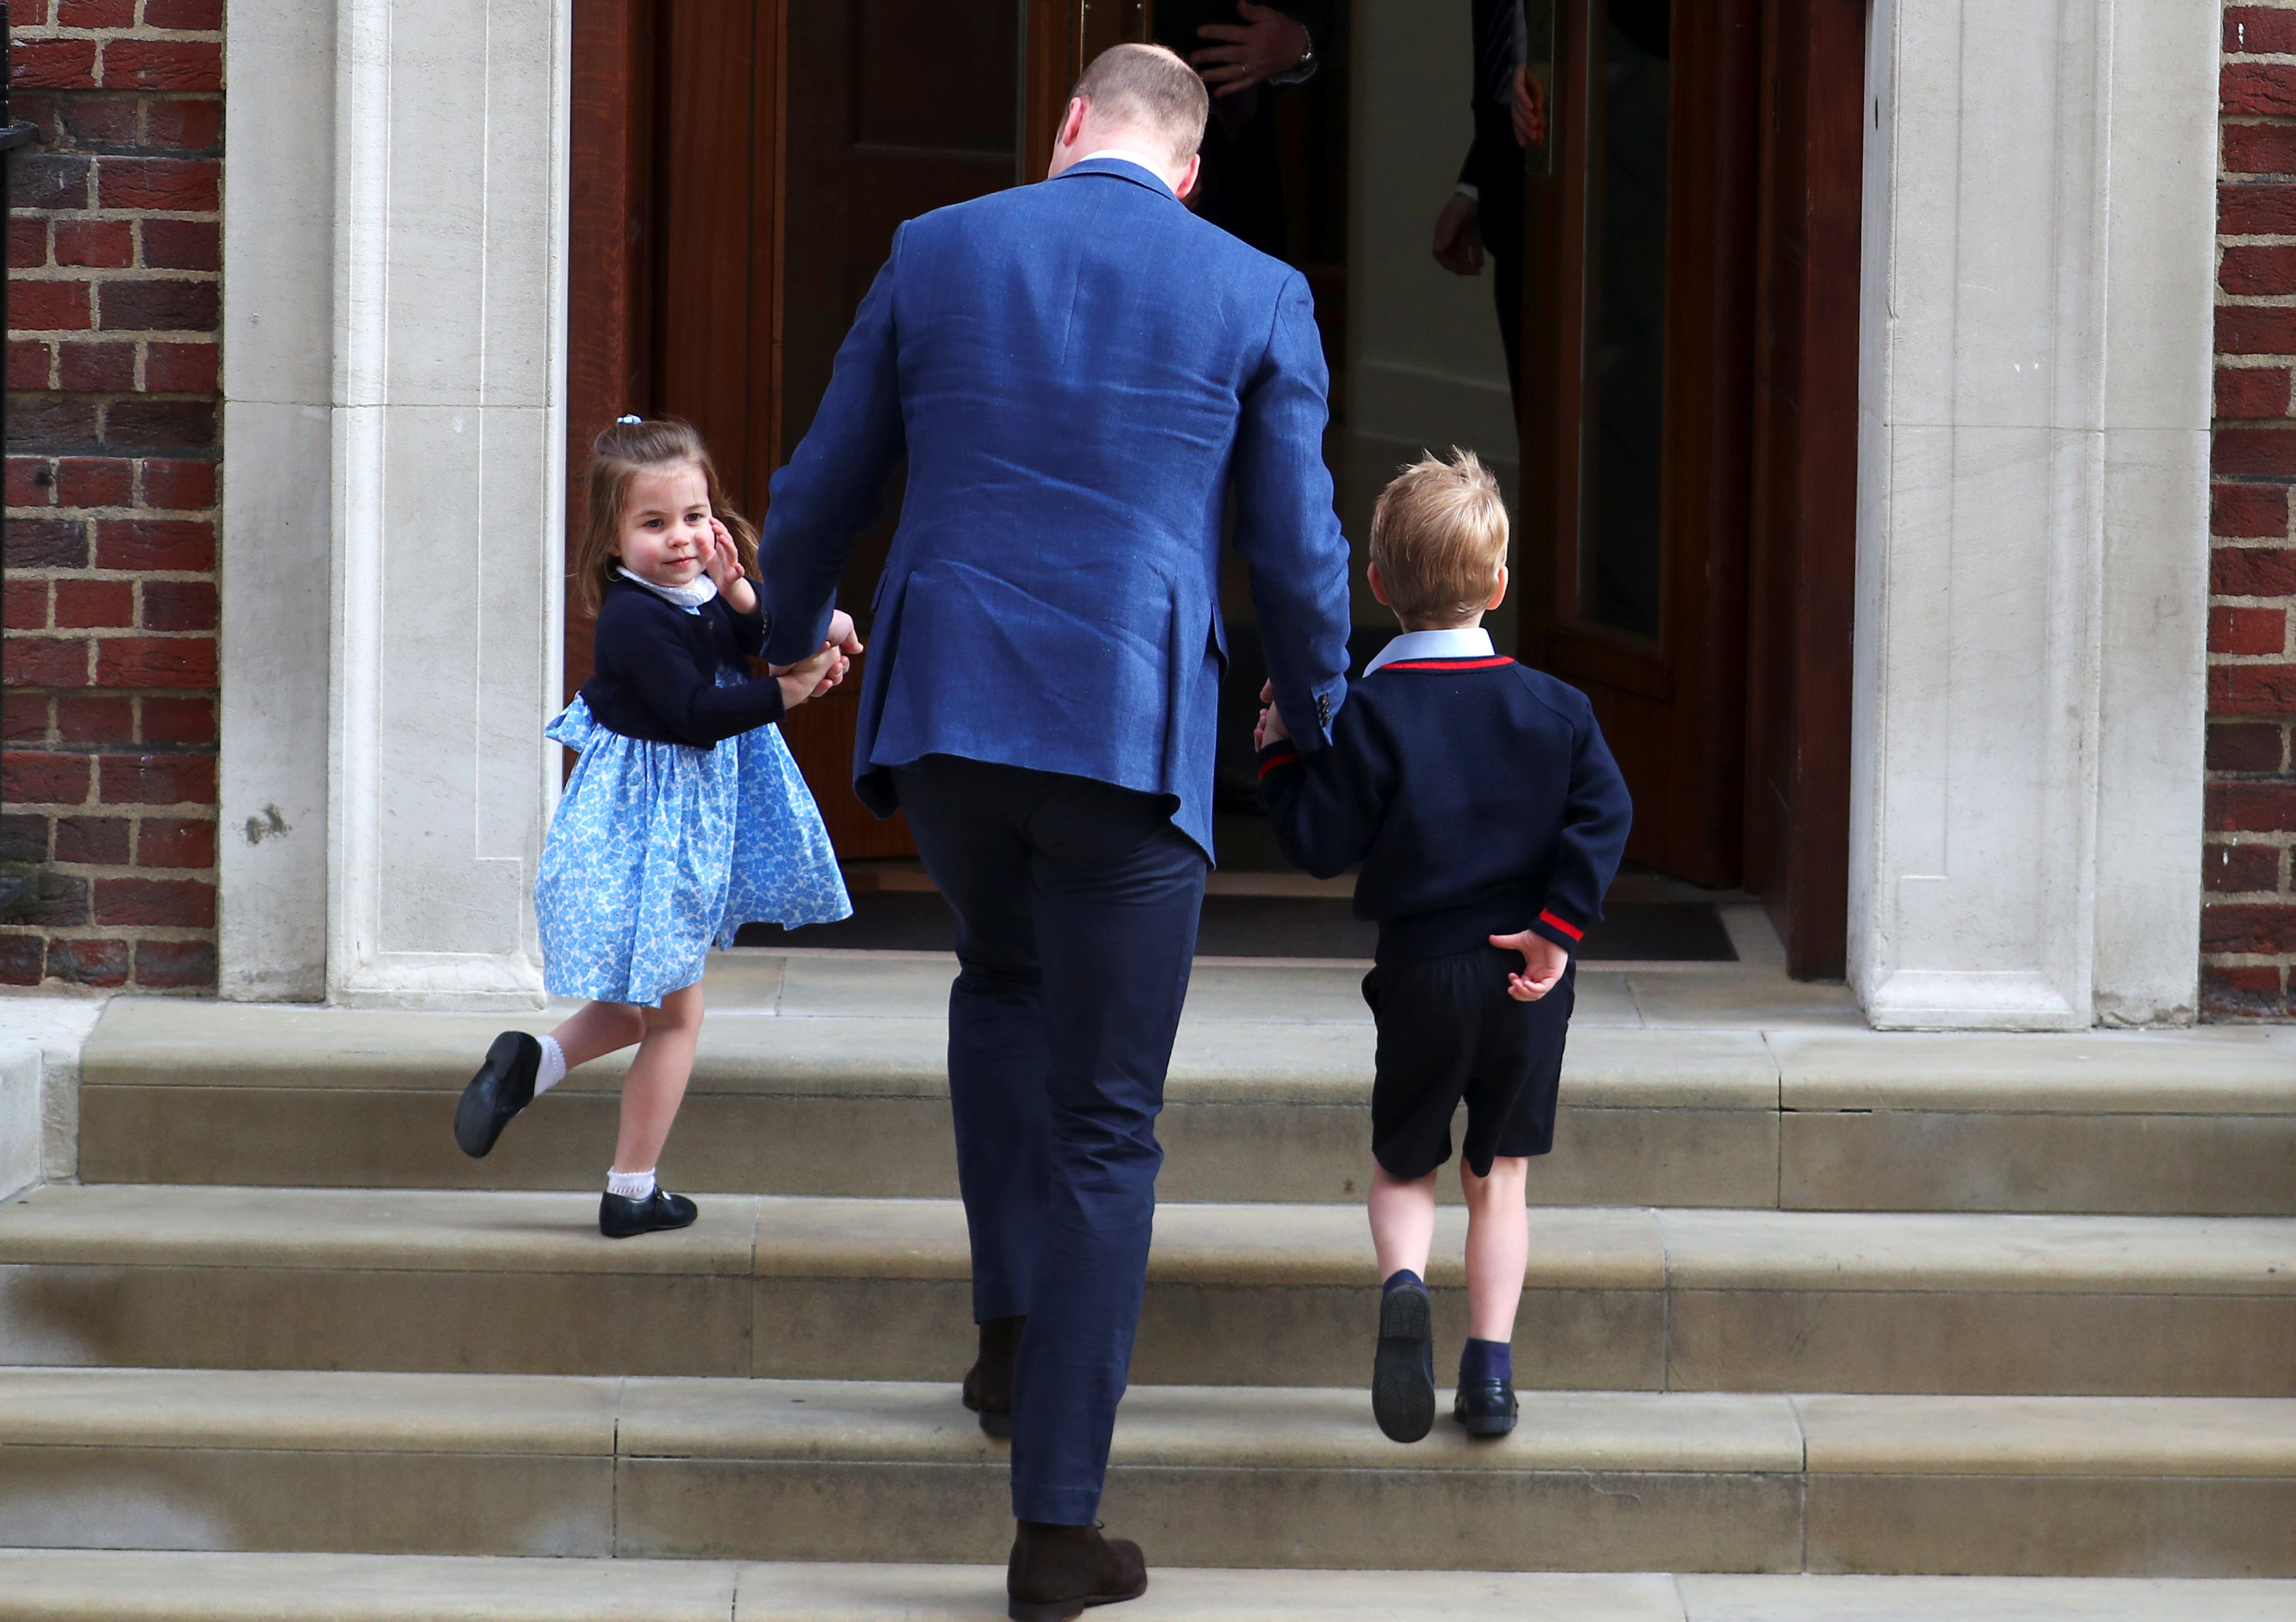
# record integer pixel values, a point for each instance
(1076, 904)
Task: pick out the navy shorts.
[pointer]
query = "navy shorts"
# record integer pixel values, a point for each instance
(1447, 1031)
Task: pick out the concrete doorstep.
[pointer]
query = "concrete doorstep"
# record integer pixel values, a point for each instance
(427, 1280)
(767, 1469)
(836, 1084)
(134, 1586)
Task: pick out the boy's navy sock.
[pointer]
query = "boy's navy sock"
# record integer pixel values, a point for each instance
(1397, 1279)
(1481, 1360)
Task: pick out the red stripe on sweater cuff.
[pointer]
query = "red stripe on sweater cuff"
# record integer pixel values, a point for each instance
(1290, 757)
(1572, 930)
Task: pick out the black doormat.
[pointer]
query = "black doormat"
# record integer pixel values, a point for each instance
(1270, 926)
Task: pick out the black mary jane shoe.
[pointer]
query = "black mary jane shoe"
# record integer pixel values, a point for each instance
(1403, 1370)
(1486, 1407)
(989, 1383)
(503, 1085)
(658, 1213)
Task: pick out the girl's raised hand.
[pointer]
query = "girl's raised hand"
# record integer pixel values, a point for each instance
(724, 567)
(723, 562)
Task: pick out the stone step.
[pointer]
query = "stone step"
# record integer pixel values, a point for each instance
(1649, 1299)
(821, 1076)
(136, 1585)
(1202, 1476)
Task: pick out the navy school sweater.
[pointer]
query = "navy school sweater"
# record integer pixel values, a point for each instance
(655, 670)
(1477, 794)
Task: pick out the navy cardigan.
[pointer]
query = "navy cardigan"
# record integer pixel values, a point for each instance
(656, 670)
(1477, 794)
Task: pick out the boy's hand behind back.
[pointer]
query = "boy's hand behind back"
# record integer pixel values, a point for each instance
(1543, 963)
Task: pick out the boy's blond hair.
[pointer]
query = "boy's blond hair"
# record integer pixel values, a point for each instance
(1439, 538)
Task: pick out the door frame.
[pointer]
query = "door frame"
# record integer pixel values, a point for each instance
(1760, 453)
(1803, 565)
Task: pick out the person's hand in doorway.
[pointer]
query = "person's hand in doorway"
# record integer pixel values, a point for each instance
(1543, 963)
(1267, 43)
(1459, 236)
(1529, 108)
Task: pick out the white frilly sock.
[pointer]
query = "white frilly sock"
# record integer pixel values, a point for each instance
(552, 1069)
(630, 1185)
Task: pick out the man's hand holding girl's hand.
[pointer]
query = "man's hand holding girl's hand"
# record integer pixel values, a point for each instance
(811, 677)
(1271, 729)
(1543, 963)
(825, 669)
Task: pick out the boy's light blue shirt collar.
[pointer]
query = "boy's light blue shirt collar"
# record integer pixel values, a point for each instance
(1457, 642)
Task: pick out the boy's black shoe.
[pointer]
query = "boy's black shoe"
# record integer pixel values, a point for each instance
(503, 1085)
(1486, 1407)
(657, 1213)
(1403, 1371)
(1056, 1572)
(989, 1383)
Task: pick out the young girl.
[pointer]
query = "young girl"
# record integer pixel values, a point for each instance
(684, 816)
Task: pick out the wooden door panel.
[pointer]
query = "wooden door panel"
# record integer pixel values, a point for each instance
(1657, 642)
(709, 263)
(894, 108)
(610, 256)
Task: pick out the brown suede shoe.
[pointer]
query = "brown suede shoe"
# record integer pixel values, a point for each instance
(1056, 1572)
(989, 1383)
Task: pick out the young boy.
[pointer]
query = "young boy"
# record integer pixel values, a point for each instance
(1489, 818)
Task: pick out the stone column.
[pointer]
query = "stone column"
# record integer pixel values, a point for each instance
(279, 318)
(2032, 553)
(449, 247)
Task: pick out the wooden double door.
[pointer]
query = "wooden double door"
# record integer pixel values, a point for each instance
(1688, 365)
(739, 170)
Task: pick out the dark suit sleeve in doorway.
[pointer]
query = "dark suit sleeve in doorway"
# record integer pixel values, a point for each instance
(1284, 525)
(834, 486)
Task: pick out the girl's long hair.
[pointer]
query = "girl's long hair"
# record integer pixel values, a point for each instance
(616, 457)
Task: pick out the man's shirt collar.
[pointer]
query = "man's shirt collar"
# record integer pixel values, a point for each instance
(1132, 156)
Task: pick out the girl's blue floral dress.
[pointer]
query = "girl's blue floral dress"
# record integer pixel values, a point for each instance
(659, 851)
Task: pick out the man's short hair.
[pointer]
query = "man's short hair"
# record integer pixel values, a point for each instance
(1439, 538)
(1150, 89)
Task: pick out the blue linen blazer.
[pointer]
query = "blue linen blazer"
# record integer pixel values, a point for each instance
(1082, 375)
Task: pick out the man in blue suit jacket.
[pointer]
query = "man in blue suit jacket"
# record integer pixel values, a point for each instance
(1085, 379)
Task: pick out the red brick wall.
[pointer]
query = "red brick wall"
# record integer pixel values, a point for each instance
(108, 763)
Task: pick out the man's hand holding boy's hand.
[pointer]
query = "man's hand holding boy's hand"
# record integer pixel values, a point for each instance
(1543, 963)
(1271, 729)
